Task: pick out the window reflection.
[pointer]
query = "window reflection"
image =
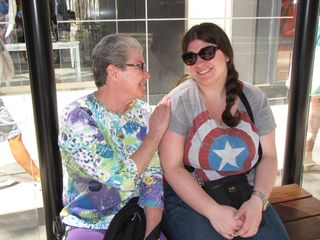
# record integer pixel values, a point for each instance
(312, 148)
(166, 66)
(21, 209)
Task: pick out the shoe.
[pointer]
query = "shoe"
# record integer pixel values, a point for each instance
(308, 163)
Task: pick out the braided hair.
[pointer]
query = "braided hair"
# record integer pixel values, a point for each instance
(211, 33)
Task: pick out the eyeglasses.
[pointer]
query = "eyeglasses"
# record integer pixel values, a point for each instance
(206, 53)
(139, 66)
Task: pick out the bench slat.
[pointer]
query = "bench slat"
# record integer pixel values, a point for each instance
(288, 193)
(298, 209)
(304, 229)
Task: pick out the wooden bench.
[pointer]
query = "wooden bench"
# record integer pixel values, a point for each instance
(299, 211)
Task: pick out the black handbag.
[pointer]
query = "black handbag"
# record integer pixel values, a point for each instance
(231, 190)
(128, 224)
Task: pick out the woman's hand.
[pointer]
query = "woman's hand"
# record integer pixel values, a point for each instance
(251, 213)
(159, 119)
(224, 220)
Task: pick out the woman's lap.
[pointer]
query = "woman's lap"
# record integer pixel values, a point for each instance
(182, 222)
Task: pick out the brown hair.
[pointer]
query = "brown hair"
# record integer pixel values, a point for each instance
(211, 33)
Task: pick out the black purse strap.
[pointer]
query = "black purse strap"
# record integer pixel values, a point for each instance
(155, 233)
(246, 104)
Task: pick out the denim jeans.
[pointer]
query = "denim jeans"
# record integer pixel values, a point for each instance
(182, 222)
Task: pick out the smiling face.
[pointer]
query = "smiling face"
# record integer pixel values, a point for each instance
(209, 72)
(133, 78)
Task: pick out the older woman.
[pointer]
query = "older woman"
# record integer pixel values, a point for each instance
(108, 142)
(213, 133)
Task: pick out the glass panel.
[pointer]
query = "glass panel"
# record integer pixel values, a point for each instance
(84, 9)
(101, 10)
(166, 9)
(284, 46)
(286, 34)
(130, 9)
(311, 174)
(21, 209)
(205, 10)
(166, 66)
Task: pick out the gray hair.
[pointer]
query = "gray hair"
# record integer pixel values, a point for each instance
(111, 49)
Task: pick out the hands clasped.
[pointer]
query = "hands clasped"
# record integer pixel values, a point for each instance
(251, 214)
(225, 222)
(244, 222)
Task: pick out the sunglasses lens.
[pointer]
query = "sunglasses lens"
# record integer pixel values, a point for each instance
(189, 58)
(207, 53)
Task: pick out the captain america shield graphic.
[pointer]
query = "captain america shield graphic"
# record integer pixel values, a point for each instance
(222, 150)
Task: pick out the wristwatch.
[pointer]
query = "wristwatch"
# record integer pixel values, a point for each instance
(263, 198)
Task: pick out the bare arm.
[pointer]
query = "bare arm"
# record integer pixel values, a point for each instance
(266, 172)
(153, 217)
(158, 123)
(22, 156)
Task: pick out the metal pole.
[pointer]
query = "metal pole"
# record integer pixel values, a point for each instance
(39, 51)
(301, 72)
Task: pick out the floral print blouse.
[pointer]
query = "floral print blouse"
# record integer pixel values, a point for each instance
(99, 176)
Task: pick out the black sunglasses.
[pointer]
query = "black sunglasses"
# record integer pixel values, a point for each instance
(206, 53)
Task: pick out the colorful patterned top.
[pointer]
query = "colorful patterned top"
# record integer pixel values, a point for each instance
(99, 176)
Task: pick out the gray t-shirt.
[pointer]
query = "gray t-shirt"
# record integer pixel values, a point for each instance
(217, 150)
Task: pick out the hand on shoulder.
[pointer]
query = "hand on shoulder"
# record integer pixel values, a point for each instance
(159, 119)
